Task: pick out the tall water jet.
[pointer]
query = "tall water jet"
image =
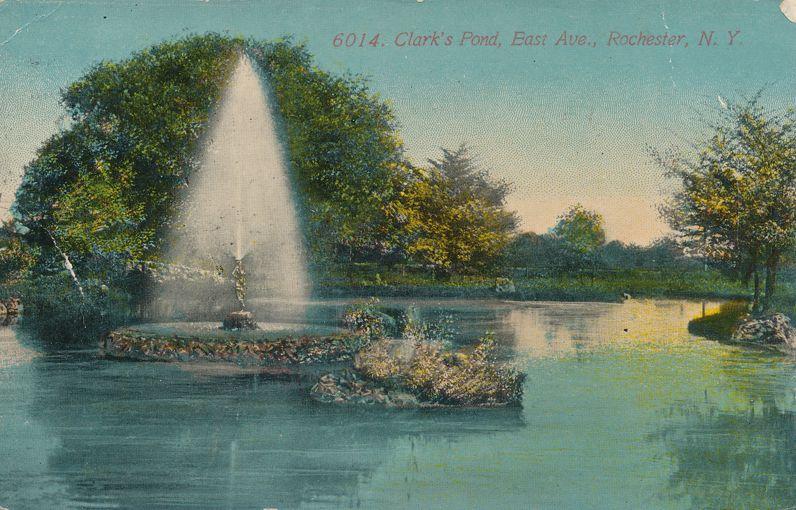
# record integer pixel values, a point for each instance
(239, 207)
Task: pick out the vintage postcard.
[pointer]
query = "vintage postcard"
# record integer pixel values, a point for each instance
(432, 254)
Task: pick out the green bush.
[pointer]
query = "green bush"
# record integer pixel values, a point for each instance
(56, 311)
(364, 318)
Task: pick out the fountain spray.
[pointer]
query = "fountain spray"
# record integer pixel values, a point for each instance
(240, 205)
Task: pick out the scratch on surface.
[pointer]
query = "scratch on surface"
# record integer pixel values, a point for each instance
(29, 23)
(671, 64)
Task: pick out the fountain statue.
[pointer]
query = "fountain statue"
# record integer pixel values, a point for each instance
(241, 319)
(239, 276)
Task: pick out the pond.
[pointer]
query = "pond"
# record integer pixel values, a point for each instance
(623, 408)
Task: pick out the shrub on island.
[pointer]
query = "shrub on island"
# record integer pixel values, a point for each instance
(424, 375)
(365, 318)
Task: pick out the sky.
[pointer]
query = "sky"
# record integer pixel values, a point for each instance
(564, 123)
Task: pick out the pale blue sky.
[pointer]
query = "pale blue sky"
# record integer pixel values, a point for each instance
(563, 124)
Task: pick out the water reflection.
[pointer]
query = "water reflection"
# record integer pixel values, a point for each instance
(558, 329)
(12, 351)
(732, 459)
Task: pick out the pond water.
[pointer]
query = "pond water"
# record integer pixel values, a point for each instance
(622, 409)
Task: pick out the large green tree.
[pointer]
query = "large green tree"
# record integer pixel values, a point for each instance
(583, 230)
(468, 177)
(343, 147)
(452, 214)
(107, 184)
(580, 233)
(737, 196)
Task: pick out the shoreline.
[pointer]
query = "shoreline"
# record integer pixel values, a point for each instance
(540, 295)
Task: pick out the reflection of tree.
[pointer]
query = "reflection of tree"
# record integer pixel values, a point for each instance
(562, 328)
(734, 460)
(137, 435)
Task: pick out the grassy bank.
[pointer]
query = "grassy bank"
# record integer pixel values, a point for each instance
(605, 286)
(719, 326)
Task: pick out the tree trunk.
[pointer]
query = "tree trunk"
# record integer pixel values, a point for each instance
(751, 271)
(756, 297)
(772, 263)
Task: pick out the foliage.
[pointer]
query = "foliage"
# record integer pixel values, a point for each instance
(452, 215)
(422, 364)
(96, 215)
(439, 376)
(574, 244)
(661, 254)
(416, 330)
(785, 300)
(737, 200)
(108, 182)
(581, 233)
(343, 147)
(467, 176)
(552, 254)
(530, 250)
(581, 229)
(57, 312)
(364, 318)
(610, 285)
(16, 258)
(600, 285)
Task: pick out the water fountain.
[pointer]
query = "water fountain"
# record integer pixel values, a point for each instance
(237, 229)
(239, 209)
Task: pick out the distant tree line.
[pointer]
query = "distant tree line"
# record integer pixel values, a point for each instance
(577, 245)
